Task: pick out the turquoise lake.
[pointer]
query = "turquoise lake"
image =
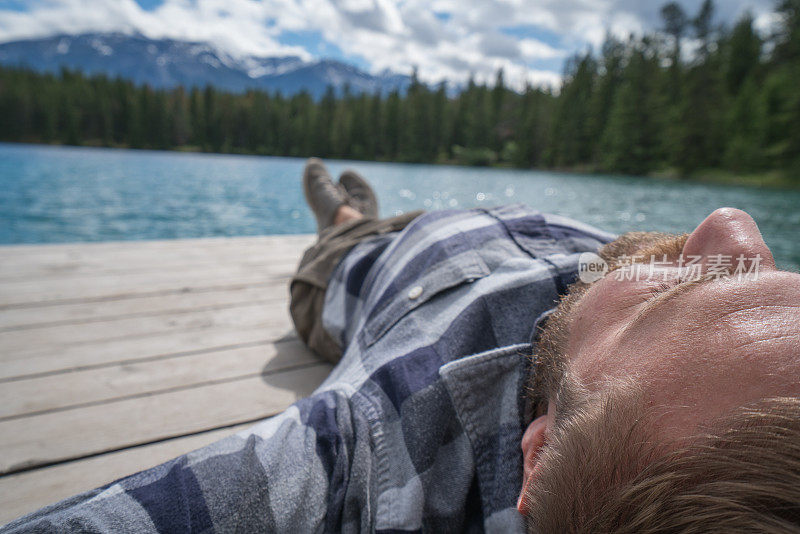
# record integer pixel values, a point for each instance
(69, 194)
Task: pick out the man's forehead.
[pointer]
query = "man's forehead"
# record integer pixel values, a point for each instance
(735, 339)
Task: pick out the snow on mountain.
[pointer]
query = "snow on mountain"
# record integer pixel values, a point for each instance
(166, 63)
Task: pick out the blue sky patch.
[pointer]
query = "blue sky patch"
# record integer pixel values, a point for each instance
(149, 5)
(14, 5)
(527, 31)
(553, 64)
(319, 47)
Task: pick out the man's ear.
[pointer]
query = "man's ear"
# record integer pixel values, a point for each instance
(532, 442)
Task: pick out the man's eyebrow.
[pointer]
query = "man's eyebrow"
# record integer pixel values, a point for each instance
(671, 294)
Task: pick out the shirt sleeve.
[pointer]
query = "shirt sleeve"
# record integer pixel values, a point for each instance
(290, 473)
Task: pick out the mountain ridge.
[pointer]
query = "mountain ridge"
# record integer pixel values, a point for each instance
(168, 63)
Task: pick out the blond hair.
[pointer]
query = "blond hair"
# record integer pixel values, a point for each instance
(603, 471)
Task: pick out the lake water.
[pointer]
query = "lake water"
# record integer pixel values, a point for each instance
(67, 194)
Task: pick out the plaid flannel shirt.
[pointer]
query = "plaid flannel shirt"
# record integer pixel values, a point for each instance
(418, 428)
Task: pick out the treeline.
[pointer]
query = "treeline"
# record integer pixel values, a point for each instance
(693, 96)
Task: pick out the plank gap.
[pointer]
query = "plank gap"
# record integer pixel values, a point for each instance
(29, 468)
(131, 361)
(133, 315)
(162, 391)
(123, 296)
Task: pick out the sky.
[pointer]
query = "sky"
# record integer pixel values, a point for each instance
(443, 39)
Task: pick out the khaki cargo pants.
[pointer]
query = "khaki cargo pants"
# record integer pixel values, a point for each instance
(309, 284)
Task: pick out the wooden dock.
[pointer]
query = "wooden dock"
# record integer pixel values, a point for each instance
(115, 357)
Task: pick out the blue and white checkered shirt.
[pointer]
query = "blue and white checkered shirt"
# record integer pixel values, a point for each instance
(418, 428)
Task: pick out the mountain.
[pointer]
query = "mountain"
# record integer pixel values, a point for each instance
(166, 63)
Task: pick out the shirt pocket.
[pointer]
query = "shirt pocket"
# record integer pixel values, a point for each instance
(461, 265)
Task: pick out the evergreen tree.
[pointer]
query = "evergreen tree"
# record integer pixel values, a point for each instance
(533, 135)
(748, 128)
(783, 96)
(440, 144)
(393, 125)
(572, 137)
(701, 116)
(500, 132)
(703, 25)
(743, 55)
(611, 70)
(632, 138)
(675, 23)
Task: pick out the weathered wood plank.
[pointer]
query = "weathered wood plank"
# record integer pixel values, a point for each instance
(279, 259)
(166, 345)
(23, 493)
(93, 386)
(18, 343)
(105, 253)
(37, 261)
(142, 306)
(70, 434)
(50, 291)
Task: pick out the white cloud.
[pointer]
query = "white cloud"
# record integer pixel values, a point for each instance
(393, 34)
(236, 26)
(766, 23)
(533, 49)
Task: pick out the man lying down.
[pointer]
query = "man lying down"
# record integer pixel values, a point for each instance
(661, 394)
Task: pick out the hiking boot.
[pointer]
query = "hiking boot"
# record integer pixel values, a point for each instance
(362, 197)
(322, 195)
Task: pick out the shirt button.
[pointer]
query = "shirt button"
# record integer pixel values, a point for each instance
(415, 292)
